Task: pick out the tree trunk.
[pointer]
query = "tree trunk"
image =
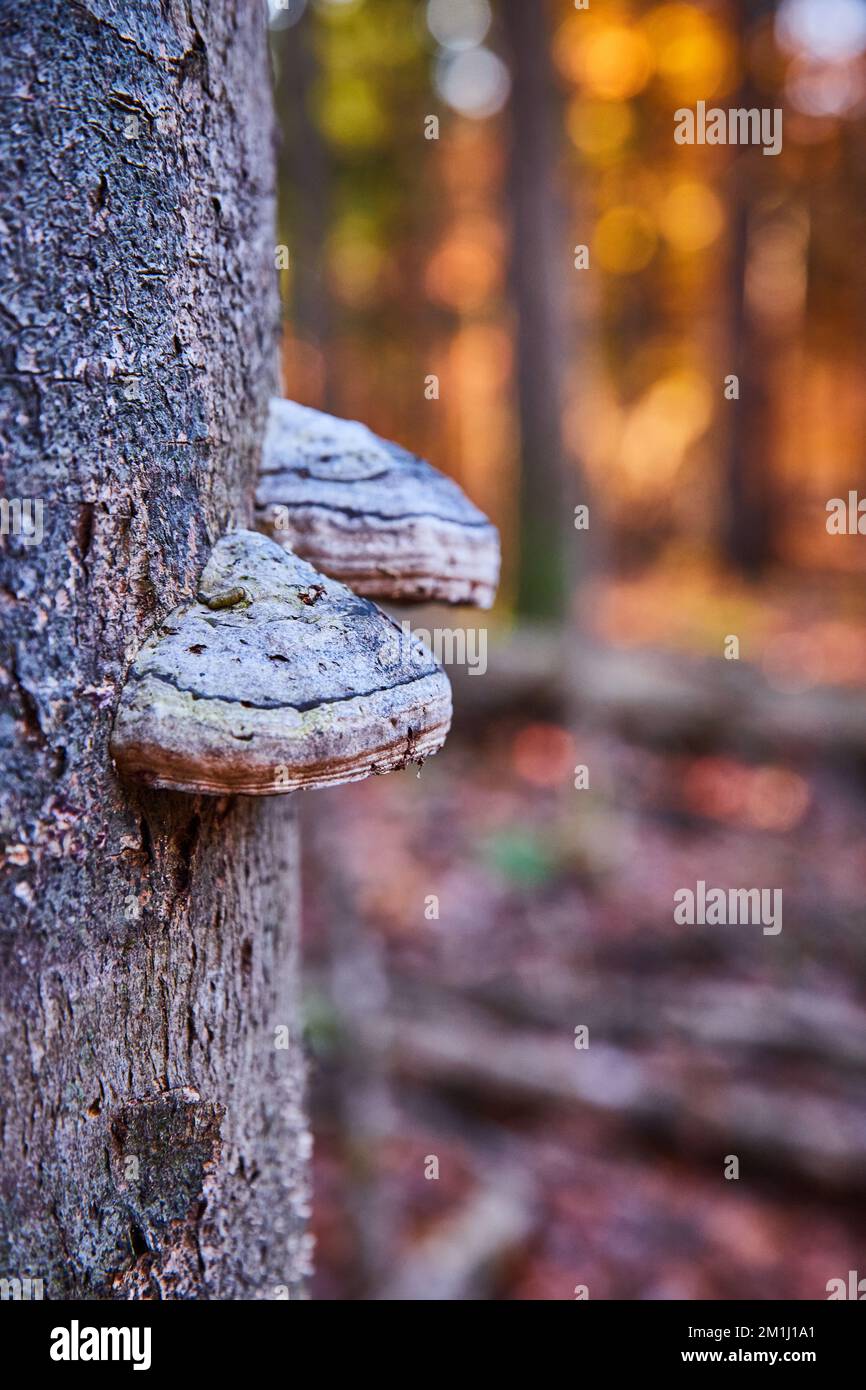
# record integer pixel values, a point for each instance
(153, 1132)
(751, 500)
(303, 176)
(540, 260)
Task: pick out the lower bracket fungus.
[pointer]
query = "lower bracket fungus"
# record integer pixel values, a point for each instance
(370, 513)
(275, 678)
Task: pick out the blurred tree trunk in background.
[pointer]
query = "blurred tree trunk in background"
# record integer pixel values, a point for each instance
(303, 178)
(153, 1134)
(541, 258)
(748, 526)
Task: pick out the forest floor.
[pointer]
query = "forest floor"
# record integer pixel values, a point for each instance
(462, 925)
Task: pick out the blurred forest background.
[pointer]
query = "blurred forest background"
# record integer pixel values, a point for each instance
(453, 1038)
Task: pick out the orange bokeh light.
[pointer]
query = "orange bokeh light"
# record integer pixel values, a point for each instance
(544, 755)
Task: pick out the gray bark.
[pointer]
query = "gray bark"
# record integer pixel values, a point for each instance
(153, 1138)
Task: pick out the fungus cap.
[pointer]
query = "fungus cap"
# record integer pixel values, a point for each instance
(275, 678)
(370, 513)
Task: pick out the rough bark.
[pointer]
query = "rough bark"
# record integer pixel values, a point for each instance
(153, 1132)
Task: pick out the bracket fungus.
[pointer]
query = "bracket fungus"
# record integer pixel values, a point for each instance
(370, 513)
(275, 678)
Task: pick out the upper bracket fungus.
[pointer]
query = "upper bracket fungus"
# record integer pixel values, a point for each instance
(370, 513)
(274, 678)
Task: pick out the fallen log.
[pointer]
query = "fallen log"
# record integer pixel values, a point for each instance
(661, 697)
(685, 1101)
(460, 1258)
